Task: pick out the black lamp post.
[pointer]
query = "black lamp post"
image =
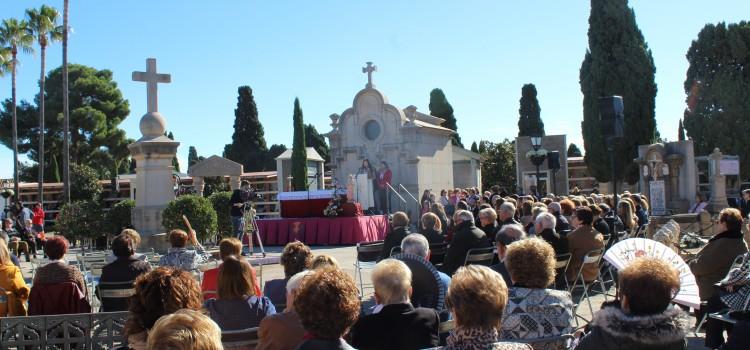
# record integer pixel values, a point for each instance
(536, 159)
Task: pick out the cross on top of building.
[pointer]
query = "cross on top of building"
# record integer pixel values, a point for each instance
(369, 69)
(151, 78)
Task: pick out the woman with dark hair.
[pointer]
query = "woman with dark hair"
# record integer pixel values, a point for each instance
(381, 190)
(296, 257)
(122, 272)
(641, 209)
(644, 318)
(328, 304)
(581, 241)
(236, 305)
(700, 204)
(160, 292)
(426, 202)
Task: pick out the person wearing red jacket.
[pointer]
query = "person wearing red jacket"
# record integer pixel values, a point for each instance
(38, 224)
(384, 180)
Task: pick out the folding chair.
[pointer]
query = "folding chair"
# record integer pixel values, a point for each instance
(367, 257)
(736, 263)
(437, 253)
(594, 258)
(480, 256)
(562, 261)
(562, 341)
(240, 339)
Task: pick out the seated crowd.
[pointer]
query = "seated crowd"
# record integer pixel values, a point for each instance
(513, 303)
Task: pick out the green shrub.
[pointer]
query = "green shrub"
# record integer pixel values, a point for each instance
(81, 219)
(220, 202)
(84, 183)
(198, 210)
(119, 217)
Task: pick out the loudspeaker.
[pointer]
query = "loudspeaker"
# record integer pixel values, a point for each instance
(553, 160)
(611, 116)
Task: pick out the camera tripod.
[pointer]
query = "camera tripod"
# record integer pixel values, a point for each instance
(250, 227)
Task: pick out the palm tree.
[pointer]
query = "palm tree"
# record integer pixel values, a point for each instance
(66, 113)
(14, 35)
(43, 24)
(4, 61)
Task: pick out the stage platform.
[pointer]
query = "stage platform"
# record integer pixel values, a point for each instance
(323, 231)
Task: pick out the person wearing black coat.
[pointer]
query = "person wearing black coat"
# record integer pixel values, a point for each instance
(488, 223)
(397, 325)
(561, 223)
(544, 224)
(399, 230)
(431, 229)
(121, 273)
(467, 236)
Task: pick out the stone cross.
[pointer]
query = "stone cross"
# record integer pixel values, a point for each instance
(151, 78)
(369, 69)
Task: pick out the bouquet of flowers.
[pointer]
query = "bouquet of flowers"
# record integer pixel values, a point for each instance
(334, 207)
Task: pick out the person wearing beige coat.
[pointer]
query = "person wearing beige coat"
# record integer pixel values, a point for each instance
(715, 259)
(581, 241)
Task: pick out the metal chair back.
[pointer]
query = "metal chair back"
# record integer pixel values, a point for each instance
(480, 256)
(369, 251)
(437, 253)
(239, 338)
(563, 341)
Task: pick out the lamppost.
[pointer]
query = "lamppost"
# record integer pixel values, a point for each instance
(537, 159)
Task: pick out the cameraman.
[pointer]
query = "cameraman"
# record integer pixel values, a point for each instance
(237, 209)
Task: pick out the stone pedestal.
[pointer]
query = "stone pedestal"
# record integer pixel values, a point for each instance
(154, 184)
(718, 183)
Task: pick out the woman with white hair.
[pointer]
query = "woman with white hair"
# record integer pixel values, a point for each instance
(398, 325)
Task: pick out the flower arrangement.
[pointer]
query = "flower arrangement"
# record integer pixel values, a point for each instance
(540, 153)
(334, 207)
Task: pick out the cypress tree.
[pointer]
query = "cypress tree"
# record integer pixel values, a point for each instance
(439, 107)
(175, 162)
(317, 141)
(299, 153)
(717, 87)
(248, 145)
(529, 122)
(681, 132)
(574, 151)
(192, 157)
(474, 147)
(617, 62)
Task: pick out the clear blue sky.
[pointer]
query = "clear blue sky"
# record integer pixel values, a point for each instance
(479, 52)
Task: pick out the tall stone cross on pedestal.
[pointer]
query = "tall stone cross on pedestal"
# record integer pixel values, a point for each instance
(369, 69)
(151, 78)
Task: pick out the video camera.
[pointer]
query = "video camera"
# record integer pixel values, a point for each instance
(251, 195)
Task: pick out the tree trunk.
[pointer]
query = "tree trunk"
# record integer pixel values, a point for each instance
(15, 129)
(66, 116)
(41, 129)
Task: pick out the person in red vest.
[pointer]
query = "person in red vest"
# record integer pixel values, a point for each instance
(38, 224)
(384, 180)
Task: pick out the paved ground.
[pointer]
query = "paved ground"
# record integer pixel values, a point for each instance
(346, 257)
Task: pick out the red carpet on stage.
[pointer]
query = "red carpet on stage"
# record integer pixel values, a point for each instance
(323, 231)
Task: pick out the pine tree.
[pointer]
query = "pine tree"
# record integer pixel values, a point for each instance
(681, 132)
(474, 147)
(274, 151)
(175, 161)
(617, 62)
(439, 107)
(317, 141)
(574, 151)
(248, 145)
(299, 152)
(529, 122)
(192, 157)
(717, 86)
